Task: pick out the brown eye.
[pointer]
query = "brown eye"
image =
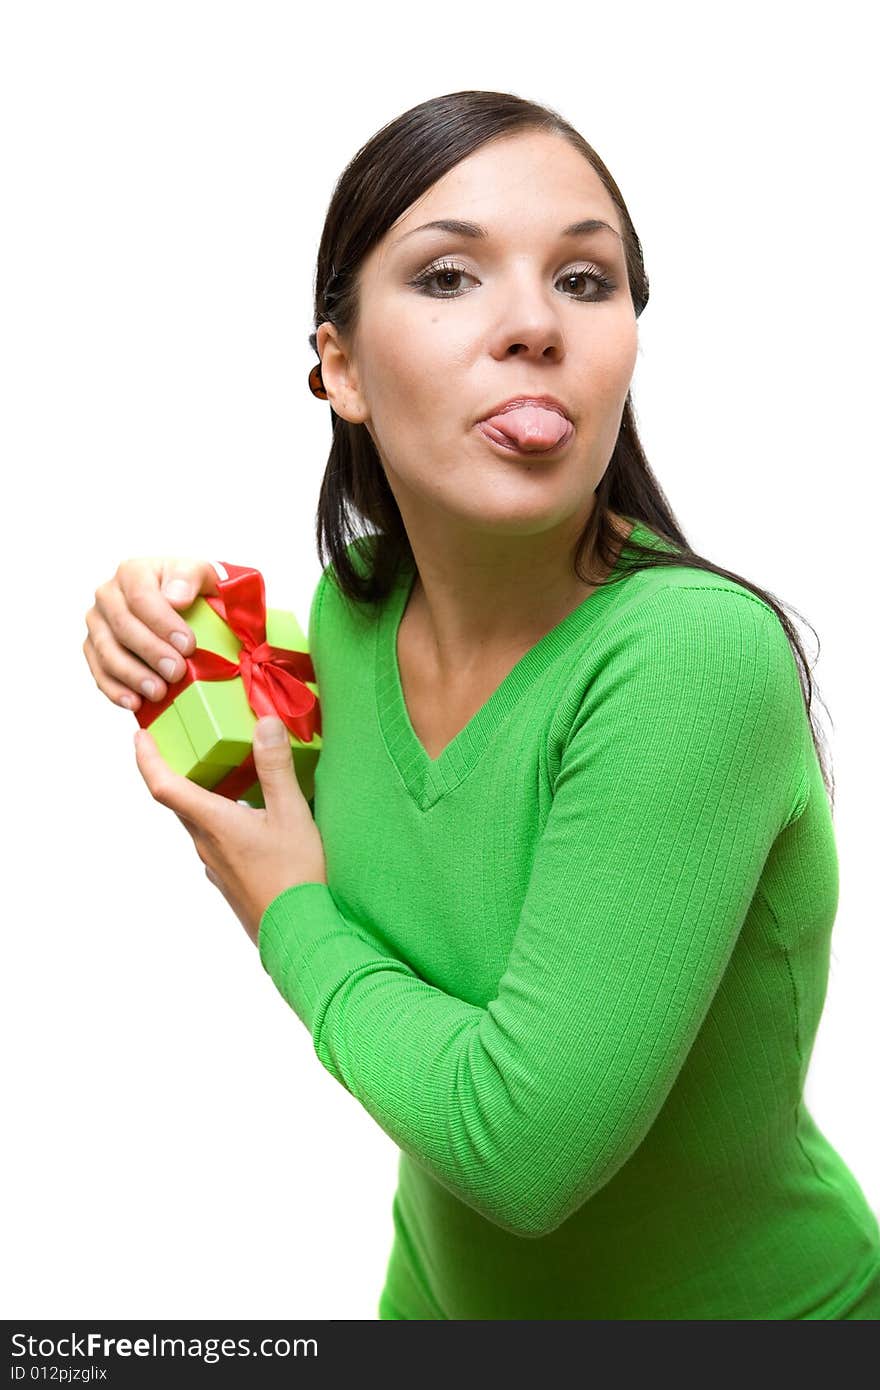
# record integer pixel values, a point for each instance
(602, 282)
(440, 275)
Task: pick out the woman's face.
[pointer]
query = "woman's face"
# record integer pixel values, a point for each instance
(452, 324)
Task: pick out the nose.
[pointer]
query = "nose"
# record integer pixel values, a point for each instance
(529, 321)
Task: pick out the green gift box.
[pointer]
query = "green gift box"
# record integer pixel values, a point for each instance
(249, 662)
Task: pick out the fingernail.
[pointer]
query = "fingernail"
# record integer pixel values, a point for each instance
(168, 667)
(272, 731)
(149, 689)
(179, 640)
(176, 589)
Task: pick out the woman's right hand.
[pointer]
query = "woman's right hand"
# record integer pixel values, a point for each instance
(134, 629)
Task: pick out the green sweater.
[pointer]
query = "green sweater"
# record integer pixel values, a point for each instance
(574, 967)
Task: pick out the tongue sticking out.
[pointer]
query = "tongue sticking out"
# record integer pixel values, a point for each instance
(529, 427)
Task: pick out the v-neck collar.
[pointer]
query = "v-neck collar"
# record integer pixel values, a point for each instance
(425, 778)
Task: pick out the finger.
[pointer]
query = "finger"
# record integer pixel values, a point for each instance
(114, 690)
(145, 621)
(183, 579)
(113, 653)
(175, 791)
(273, 760)
(132, 618)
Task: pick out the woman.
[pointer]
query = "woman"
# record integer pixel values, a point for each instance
(562, 921)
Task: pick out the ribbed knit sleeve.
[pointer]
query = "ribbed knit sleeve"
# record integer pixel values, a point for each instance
(683, 761)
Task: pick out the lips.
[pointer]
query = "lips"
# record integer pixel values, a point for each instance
(514, 402)
(528, 424)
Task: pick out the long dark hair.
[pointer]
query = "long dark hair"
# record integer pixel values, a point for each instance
(401, 161)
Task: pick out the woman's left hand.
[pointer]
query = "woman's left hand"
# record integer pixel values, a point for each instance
(251, 854)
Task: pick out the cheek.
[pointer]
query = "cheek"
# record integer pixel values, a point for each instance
(615, 363)
(397, 351)
(410, 375)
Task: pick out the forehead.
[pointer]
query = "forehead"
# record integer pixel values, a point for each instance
(532, 182)
(528, 185)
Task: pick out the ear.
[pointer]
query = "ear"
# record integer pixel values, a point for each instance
(340, 376)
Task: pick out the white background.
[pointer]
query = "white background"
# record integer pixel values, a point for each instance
(173, 1147)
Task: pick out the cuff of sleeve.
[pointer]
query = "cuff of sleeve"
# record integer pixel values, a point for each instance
(309, 949)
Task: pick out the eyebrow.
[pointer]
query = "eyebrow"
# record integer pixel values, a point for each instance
(472, 229)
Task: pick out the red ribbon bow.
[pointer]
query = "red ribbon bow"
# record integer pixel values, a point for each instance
(273, 677)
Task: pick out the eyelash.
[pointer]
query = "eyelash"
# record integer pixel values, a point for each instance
(422, 280)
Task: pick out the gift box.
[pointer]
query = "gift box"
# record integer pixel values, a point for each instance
(249, 661)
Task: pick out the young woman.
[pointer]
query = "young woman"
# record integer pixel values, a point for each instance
(562, 920)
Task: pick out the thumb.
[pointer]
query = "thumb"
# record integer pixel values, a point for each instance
(273, 760)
